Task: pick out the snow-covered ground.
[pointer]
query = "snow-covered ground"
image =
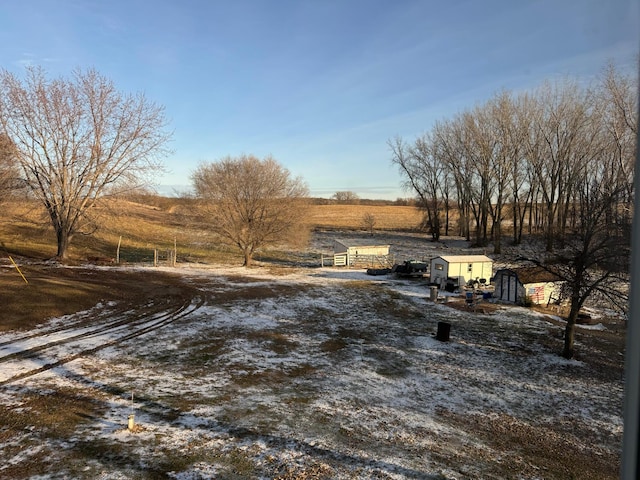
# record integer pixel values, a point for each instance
(315, 373)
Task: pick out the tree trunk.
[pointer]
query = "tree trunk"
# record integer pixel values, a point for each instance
(431, 224)
(516, 211)
(497, 239)
(570, 330)
(248, 257)
(436, 225)
(550, 236)
(496, 229)
(446, 215)
(63, 239)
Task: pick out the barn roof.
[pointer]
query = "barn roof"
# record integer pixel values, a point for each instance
(535, 274)
(465, 258)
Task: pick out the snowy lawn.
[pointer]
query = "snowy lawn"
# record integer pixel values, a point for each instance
(318, 373)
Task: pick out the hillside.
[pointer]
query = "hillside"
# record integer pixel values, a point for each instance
(145, 227)
(161, 223)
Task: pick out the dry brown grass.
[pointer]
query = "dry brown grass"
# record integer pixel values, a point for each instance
(159, 222)
(387, 217)
(49, 293)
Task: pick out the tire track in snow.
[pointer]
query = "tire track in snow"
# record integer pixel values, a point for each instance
(56, 352)
(121, 320)
(78, 321)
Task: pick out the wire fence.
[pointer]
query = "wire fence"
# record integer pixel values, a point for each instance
(155, 256)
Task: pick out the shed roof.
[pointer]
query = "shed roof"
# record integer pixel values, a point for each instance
(465, 258)
(534, 274)
(357, 242)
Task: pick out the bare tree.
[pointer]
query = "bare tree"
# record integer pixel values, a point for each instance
(617, 96)
(479, 146)
(369, 222)
(468, 147)
(595, 257)
(78, 139)
(346, 197)
(450, 139)
(426, 175)
(502, 121)
(253, 203)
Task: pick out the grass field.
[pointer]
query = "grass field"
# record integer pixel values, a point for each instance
(387, 217)
(165, 222)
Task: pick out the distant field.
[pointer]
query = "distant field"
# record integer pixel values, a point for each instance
(387, 217)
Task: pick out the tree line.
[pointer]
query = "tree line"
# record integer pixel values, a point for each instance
(556, 163)
(526, 160)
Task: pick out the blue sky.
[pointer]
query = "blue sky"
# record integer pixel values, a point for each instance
(320, 85)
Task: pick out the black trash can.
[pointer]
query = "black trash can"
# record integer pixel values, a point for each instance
(444, 329)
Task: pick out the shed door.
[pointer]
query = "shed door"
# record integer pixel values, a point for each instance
(508, 288)
(513, 288)
(504, 286)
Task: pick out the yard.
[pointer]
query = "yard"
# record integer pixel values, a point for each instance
(300, 373)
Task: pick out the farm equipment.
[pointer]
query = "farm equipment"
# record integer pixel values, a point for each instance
(410, 268)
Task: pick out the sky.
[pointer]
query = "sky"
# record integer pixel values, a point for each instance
(319, 85)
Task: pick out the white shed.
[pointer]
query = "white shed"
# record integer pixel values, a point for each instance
(359, 253)
(515, 285)
(470, 267)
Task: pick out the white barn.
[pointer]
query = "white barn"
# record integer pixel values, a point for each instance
(515, 285)
(354, 253)
(470, 267)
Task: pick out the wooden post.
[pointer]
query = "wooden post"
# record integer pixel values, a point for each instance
(175, 252)
(131, 424)
(155, 257)
(118, 250)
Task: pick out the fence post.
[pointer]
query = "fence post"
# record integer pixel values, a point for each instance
(174, 260)
(118, 250)
(155, 257)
